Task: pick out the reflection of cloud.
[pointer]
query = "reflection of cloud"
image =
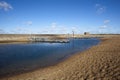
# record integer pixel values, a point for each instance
(100, 8)
(5, 6)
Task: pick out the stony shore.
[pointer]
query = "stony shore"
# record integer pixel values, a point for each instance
(101, 62)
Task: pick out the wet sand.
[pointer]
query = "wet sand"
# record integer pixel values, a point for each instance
(101, 62)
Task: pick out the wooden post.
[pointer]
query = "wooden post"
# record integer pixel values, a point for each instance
(73, 33)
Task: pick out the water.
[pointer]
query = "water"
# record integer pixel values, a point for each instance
(18, 58)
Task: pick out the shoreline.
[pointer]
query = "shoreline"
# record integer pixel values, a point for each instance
(91, 64)
(60, 38)
(30, 69)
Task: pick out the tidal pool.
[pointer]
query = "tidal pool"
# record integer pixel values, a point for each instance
(18, 58)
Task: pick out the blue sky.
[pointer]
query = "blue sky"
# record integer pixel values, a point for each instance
(59, 16)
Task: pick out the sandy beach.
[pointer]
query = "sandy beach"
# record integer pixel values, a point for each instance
(101, 62)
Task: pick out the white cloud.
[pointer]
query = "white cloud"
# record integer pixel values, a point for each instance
(105, 24)
(21, 30)
(2, 31)
(100, 8)
(54, 28)
(5, 6)
(53, 25)
(29, 23)
(106, 21)
(74, 28)
(103, 27)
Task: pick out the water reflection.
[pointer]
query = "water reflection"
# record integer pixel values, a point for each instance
(24, 57)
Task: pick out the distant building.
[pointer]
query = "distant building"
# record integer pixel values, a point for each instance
(86, 33)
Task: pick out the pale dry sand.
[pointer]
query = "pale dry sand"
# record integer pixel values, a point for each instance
(101, 62)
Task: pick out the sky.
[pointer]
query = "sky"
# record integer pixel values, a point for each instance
(59, 16)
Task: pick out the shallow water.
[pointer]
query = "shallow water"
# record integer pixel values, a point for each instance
(16, 58)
